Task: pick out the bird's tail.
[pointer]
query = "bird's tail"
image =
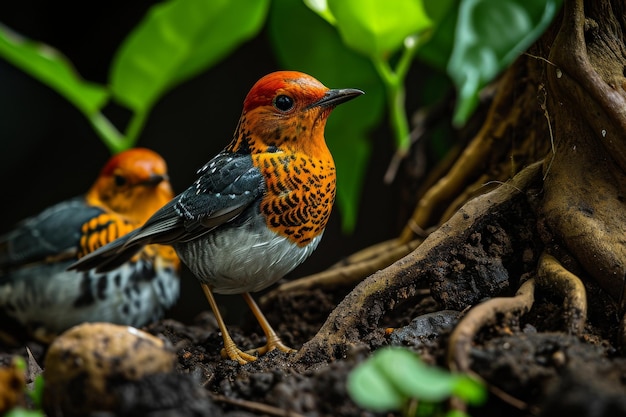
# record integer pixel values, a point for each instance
(109, 256)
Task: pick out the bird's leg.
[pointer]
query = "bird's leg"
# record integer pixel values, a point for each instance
(230, 349)
(273, 341)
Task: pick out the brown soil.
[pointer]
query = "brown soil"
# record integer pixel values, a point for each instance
(520, 286)
(531, 366)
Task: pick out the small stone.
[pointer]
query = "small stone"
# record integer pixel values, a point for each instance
(84, 363)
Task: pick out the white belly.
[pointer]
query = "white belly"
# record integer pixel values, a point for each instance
(241, 259)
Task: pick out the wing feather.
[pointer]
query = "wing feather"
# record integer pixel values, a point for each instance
(227, 185)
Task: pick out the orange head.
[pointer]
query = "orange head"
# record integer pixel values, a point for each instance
(287, 110)
(282, 127)
(133, 183)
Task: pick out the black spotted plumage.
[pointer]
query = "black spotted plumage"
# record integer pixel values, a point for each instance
(37, 291)
(258, 209)
(226, 186)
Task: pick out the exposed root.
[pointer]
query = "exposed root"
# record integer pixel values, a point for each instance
(261, 408)
(486, 314)
(368, 254)
(348, 272)
(471, 191)
(359, 312)
(552, 276)
(467, 166)
(584, 204)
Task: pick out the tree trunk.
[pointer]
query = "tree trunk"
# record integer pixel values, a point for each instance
(531, 214)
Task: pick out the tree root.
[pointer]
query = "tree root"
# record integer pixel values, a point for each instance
(582, 210)
(584, 201)
(552, 276)
(468, 165)
(348, 272)
(433, 262)
(489, 156)
(486, 314)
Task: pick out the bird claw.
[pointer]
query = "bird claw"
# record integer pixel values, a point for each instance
(238, 355)
(277, 344)
(251, 355)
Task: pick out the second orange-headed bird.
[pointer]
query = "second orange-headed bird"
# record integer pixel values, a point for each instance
(36, 289)
(259, 208)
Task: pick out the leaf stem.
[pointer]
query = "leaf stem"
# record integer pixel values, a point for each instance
(135, 127)
(394, 87)
(109, 134)
(393, 81)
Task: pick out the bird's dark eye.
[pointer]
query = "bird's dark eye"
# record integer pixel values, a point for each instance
(283, 103)
(119, 180)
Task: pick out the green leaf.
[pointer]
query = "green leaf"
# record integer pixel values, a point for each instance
(456, 413)
(437, 50)
(303, 41)
(378, 28)
(321, 8)
(50, 67)
(405, 370)
(176, 40)
(489, 35)
(23, 412)
(470, 390)
(370, 390)
(36, 394)
(395, 374)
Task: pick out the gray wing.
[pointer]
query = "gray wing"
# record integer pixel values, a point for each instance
(227, 185)
(53, 232)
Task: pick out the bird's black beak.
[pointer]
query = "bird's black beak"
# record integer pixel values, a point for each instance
(154, 180)
(335, 97)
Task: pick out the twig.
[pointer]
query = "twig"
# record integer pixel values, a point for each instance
(255, 406)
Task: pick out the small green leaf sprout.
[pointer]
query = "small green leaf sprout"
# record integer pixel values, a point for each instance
(395, 378)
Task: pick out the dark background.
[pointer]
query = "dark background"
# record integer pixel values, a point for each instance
(49, 152)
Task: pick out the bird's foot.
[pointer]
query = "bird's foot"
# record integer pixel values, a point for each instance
(236, 354)
(271, 345)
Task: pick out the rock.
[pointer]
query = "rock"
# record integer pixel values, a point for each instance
(84, 363)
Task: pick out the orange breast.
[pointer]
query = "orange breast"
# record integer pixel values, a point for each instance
(300, 194)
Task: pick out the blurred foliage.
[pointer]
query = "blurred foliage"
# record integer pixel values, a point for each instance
(396, 379)
(366, 44)
(35, 393)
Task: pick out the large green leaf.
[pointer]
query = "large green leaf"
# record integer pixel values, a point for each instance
(49, 66)
(489, 35)
(378, 28)
(303, 41)
(436, 52)
(176, 40)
